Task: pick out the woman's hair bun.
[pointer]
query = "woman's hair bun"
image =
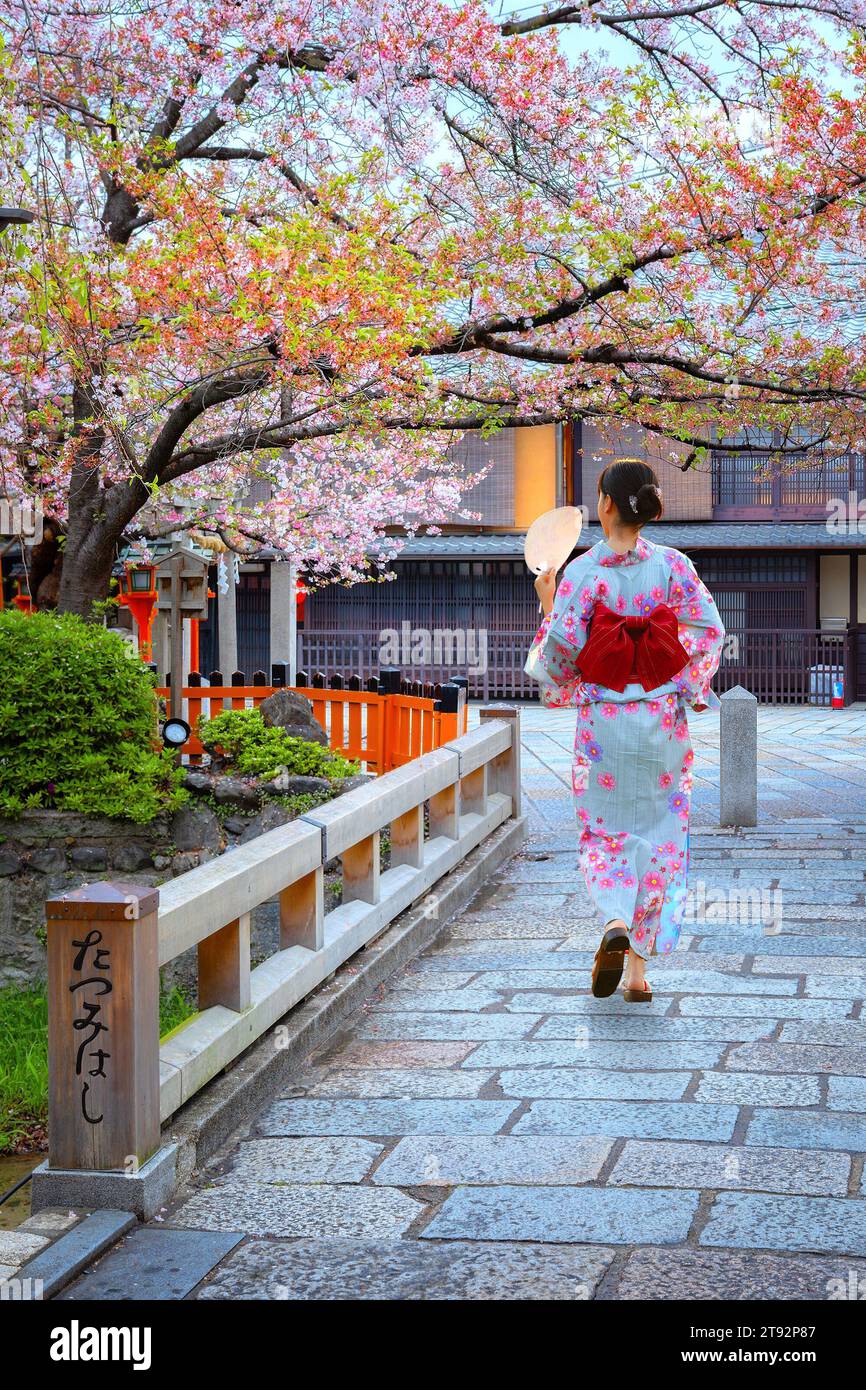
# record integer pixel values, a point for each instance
(649, 501)
(634, 489)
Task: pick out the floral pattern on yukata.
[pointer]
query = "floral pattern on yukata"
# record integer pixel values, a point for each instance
(632, 767)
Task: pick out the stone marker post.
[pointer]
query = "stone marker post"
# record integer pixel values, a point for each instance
(284, 631)
(228, 630)
(738, 758)
(103, 1028)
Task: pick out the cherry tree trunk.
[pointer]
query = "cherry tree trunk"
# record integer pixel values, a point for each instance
(85, 578)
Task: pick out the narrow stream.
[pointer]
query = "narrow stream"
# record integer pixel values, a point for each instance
(17, 1208)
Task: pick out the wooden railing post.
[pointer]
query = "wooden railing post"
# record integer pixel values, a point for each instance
(445, 813)
(361, 870)
(504, 770)
(473, 791)
(224, 966)
(452, 711)
(389, 684)
(407, 839)
(462, 683)
(103, 1028)
(302, 912)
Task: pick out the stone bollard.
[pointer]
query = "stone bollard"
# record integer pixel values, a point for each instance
(738, 758)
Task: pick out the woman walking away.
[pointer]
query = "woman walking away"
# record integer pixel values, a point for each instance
(632, 638)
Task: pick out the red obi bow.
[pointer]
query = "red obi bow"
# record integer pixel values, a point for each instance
(623, 649)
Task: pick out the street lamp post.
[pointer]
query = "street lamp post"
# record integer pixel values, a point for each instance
(138, 594)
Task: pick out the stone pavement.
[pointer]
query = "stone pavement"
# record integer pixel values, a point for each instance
(483, 1128)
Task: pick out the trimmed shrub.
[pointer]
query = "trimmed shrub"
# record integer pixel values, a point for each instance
(78, 723)
(255, 750)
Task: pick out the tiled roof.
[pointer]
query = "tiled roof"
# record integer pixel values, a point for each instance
(683, 535)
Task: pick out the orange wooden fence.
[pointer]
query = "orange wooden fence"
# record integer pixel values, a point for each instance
(383, 730)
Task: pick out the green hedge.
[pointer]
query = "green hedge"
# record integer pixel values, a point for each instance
(78, 723)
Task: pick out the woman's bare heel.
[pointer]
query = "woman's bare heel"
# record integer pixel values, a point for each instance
(636, 989)
(638, 996)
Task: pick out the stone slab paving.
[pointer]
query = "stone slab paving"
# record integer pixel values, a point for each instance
(723, 1088)
(624, 1120)
(731, 1275)
(500, 1158)
(484, 1129)
(412, 1083)
(301, 1209)
(153, 1263)
(787, 1223)
(327, 1160)
(338, 1269)
(808, 1129)
(565, 1214)
(717, 1166)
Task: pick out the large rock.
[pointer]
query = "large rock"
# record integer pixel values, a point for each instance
(359, 779)
(198, 782)
(195, 827)
(231, 791)
(291, 784)
(90, 857)
(271, 816)
(10, 862)
(131, 857)
(50, 860)
(287, 710)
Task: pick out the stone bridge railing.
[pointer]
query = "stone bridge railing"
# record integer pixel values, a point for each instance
(112, 1084)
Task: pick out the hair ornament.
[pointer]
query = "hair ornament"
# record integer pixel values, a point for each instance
(633, 502)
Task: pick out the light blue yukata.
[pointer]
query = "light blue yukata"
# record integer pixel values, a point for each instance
(632, 768)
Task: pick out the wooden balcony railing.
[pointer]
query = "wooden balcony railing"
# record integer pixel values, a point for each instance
(757, 486)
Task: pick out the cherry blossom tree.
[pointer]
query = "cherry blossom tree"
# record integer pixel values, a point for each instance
(312, 243)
